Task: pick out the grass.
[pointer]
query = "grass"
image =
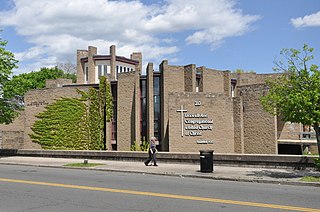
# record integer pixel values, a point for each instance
(83, 164)
(311, 179)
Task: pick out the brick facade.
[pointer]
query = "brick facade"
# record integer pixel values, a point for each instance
(206, 124)
(217, 116)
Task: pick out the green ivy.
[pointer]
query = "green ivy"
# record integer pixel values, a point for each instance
(62, 126)
(75, 123)
(317, 163)
(144, 146)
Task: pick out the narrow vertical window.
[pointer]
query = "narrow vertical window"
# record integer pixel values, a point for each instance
(105, 70)
(87, 74)
(99, 71)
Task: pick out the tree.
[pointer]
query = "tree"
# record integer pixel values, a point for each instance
(295, 95)
(8, 107)
(69, 69)
(20, 84)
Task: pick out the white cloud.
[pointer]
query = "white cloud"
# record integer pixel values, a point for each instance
(57, 28)
(312, 20)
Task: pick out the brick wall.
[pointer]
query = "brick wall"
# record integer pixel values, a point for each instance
(80, 67)
(126, 116)
(150, 102)
(11, 140)
(259, 127)
(57, 82)
(238, 125)
(217, 135)
(172, 81)
(190, 78)
(91, 64)
(35, 102)
(213, 81)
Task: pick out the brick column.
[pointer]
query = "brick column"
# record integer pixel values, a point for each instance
(80, 66)
(150, 102)
(91, 65)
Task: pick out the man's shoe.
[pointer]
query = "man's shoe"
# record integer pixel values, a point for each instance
(145, 163)
(155, 165)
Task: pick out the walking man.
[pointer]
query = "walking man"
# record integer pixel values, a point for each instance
(152, 152)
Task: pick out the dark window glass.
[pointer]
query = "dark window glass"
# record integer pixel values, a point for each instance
(87, 74)
(143, 88)
(105, 70)
(143, 98)
(156, 107)
(156, 85)
(99, 70)
(114, 115)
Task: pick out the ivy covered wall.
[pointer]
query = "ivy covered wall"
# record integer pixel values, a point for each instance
(76, 123)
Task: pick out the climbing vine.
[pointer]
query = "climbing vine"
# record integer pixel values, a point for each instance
(75, 123)
(62, 126)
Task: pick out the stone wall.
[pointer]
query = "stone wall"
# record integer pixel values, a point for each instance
(58, 82)
(238, 125)
(11, 140)
(190, 78)
(251, 78)
(259, 127)
(150, 102)
(172, 81)
(36, 101)
(214, 130)
(126, 116)
(80, 66)
(91, 64)
(213, 81)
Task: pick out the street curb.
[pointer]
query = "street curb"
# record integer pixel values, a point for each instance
(313, 184)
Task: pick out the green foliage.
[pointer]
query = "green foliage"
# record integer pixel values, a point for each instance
(95, 120)
(62, 125)
(72, 123)
(317, 163)
(295, 95)
(311, 179)
(21, 83)
(144, 146)
(241, 71)
(8, 106)
(135, 147)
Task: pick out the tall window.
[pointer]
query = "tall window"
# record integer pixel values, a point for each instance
(100, 67)
(233, 87)
(143, 97)
(102, 70)
(157, 107)
(114, 117)
(87, 74)
(105, 70)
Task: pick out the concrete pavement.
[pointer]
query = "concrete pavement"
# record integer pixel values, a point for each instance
(245, 174)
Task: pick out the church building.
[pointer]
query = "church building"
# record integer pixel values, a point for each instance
(187, 108)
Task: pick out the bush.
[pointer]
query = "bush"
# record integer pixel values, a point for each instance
(317, 163)
(144, 146)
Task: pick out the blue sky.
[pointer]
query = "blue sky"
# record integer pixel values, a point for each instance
(219, 34)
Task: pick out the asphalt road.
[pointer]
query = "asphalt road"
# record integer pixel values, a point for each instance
(33, 189)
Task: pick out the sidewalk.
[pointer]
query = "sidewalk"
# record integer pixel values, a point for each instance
(244, 174)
